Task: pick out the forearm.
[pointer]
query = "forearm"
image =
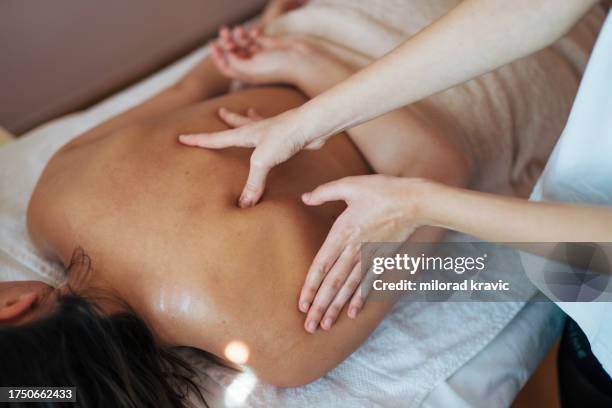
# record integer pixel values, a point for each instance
(505, 219)
(317, 77)
(476, 37)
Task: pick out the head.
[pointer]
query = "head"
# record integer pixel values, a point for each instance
(56, 337)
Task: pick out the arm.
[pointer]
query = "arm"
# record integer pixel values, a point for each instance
(390, 209)
(491, 33)
(261, 59)
(504, 219)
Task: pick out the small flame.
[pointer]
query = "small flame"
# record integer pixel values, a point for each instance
(237, 352)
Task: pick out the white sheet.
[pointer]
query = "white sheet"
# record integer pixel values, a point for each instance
(415, 349)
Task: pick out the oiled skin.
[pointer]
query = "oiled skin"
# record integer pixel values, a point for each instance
(160, 223)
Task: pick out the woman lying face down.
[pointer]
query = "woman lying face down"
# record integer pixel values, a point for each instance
(158, 255)
(174, 261)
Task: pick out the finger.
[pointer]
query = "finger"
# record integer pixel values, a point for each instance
(227, 41)
(246, 46)
(322, 263)
(360, 295)
(356, 304)
(240, 36)
(218, 140)
(333, 191)
(333, 282)
(252, 113)
(255, 185)
(233, 119)
(225, 61)
(245, 35)
(343, 296)
(219, 59)
(255, 32)
(254, 49)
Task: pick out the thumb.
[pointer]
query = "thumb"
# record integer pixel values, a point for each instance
(218, 140)
(333, 191)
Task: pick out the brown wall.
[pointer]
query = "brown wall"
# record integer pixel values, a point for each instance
(57, 56)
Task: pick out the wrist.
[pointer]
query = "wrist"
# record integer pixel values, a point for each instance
(318, 74)
(423, 195)
(301, 68)
(311, 121)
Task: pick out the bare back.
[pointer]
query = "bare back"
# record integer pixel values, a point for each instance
(160, 223)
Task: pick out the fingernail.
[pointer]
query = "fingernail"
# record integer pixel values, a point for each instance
(244, 203)
(352, 313)
(184, 138)
(304, 306)
(222, 110)
(311, 327)
(306, 197)
(327, 323)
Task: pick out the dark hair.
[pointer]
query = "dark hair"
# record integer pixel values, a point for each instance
(113, 360)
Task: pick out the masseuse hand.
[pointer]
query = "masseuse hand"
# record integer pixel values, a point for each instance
(380, 209)
(253, 57)
(276, 139)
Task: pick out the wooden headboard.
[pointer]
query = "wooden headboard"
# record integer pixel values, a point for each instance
(63, 55)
